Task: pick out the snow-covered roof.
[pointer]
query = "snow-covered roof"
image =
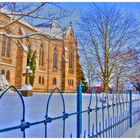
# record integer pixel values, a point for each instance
(51, 29)
(68, 31)
(4, 11)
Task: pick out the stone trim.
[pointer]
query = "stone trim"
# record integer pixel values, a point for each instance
(10, 65)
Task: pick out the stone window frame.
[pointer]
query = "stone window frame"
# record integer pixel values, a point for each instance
(39, 80)
(71, 57)
(8, 75)
(54, 81)
(6, 45)
(43, 80)
(2, 72)
(41, 55)
(70, 82)
(55, 58)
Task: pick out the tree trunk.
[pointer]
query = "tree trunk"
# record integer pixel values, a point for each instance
(106, 86)
(117, 85)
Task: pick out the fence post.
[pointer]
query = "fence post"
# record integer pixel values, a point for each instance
(130, 109)
(79, 109)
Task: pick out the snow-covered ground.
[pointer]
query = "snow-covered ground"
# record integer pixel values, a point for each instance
(11, 114)
(133, 132)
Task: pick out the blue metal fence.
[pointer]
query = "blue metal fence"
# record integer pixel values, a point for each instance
(110, 116)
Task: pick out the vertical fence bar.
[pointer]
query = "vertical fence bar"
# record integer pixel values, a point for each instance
(111, 125)
(123, 112)
(84, 133)
(119, 130)
(127, 111)
(116, 129)
(103, 118)
(106, 127)
(113, 104)
(79, 110)
(96, 115)
(93, 130)
(89, 133)
(71, 135)
(108, 110)
(130, 108)
(100, 129)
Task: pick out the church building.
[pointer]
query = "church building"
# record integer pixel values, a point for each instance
(57, 63)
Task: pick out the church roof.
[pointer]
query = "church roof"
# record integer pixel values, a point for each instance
(51, 29)
(44, 25)
(7, 13)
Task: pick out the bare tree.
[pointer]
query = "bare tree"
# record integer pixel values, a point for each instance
(105, 33)
(33, 13)
(124, 68)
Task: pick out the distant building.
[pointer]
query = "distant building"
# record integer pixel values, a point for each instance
(135, 77)
(57, 57)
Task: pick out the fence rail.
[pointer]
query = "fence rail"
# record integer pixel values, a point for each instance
(112, 115)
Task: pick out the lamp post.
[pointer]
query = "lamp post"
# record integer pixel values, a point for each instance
(26, 89)
(27, 75)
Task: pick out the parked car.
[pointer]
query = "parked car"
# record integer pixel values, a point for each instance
(90, 90)
(110, 90)
(96, 89)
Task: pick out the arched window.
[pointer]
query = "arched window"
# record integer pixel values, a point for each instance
(42, 80)
(3, 46)
(54, 81)
(70, 57)
(3, 72)
(39, 79)
(55, 58)
(41, 56)
(72, 82)
(8, 75)
(6, 46)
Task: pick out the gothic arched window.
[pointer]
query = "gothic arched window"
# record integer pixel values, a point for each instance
(8, 75)
(54, 81)
(39, 79)
(72, 82)
(55, 58)
(3, 46)
(3, 72)
(70, 57)
(42, 80)
(6, 46)
(41, 56)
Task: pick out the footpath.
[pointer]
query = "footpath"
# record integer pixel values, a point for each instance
(133, 132)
